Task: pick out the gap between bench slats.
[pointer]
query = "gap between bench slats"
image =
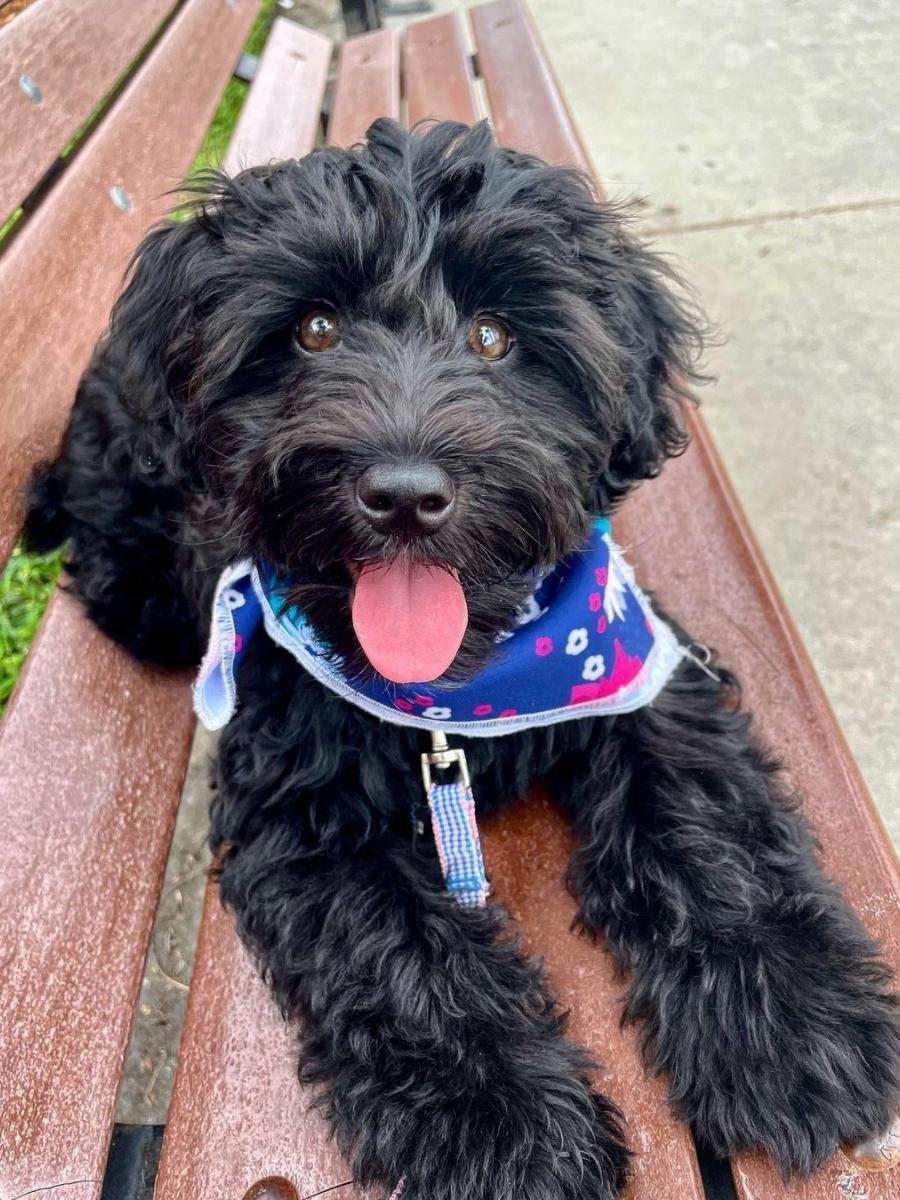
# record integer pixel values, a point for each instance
(93, 749)
(61, 274)
(692, 546)
(73, 50)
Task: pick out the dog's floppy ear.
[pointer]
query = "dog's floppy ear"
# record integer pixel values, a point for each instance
(152, 330)
(659, 336)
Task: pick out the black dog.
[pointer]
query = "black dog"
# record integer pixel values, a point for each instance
(438, 302)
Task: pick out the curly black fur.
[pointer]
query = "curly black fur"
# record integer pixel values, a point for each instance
(202, 433)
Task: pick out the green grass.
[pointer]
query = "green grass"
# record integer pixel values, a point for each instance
(25, 587)
(28, 580)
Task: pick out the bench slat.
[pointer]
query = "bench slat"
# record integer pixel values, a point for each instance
(281, 115)
(90, 798)
(436, 71)
(237, 1112)
(236, 1077)
(88, 803)
(367, 86)
(528, 109)
(74, 50)
(61, 274)
(692, 547)
(529, 113)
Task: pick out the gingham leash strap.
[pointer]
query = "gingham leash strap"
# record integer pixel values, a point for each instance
(458, 844)
(455, 830)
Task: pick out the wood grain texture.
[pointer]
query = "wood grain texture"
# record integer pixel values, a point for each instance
(238, 1113)
(367, 86)
(526, 852)
(528, 109)
(280, 118)
(436, 71)
(61, 274)
(691, 544)
(74, 50)
(92, 754)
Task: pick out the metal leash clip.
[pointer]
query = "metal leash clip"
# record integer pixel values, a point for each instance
(442, 757)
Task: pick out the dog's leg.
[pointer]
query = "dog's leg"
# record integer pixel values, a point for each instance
(121, 511)
(762, 996)
(435, 1045)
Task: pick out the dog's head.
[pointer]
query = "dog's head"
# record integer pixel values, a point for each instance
(427, 352)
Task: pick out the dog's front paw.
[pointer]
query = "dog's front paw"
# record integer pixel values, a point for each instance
(561, 1145)
(790, 1045)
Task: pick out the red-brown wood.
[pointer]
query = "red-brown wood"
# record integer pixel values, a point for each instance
(59, 277)
(74, 50)
(367, 86)
(693, 547)
(237, 1112)
(280, 117)
(92, 754)
(436, 71)
(526, 852)
(528, 110)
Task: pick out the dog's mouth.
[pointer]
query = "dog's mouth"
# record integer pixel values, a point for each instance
(409, 618)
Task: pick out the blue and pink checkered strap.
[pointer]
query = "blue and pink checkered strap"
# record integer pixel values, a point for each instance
(458, 844)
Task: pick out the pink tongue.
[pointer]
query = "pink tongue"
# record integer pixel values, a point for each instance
(410, 620)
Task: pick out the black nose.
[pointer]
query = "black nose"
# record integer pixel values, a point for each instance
(405, 497)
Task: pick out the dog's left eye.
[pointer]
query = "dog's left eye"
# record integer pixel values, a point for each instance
(319, 330)
(489, 337)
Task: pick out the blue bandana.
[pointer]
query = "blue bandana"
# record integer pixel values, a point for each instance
(587, 642)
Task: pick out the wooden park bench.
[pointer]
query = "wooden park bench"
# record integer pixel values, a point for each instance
(93, 748)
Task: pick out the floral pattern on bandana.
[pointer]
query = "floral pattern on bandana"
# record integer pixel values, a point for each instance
(587, 642)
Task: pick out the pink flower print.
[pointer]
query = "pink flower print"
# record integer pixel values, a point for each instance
(543, 646)
(423, 701)
(403, 704)
(601, 624)
(595, 601)
(481, 710)
(238, 643)
(508, 712)
(601, 575)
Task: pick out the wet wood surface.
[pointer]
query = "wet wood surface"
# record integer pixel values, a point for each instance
(62, 272)
(88, 801)
(70, 53)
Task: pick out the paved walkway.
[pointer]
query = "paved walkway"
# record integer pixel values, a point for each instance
(766, 140)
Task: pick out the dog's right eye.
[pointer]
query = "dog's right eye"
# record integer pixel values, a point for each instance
(318, 330)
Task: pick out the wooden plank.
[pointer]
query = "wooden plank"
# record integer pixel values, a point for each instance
(88, 797)
(88, 801)
(528, 109)
(436, 71)
(280, 118)
(62, 272)
(367, 87)
(237, 1112)
(693, 547)
(527, 850)
(73, 50)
